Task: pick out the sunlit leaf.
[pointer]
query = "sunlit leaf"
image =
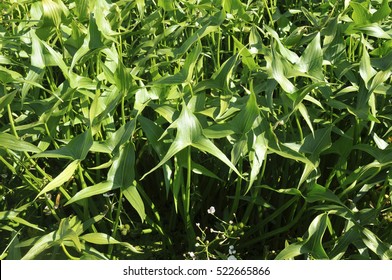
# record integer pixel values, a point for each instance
(9, 141)
(76, 149)
(60, 179)
(104, 239)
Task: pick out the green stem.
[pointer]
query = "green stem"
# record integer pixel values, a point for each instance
(67, 253)
(11, 121)
(116, 220)
(268, 11)
(237, 191)
(186, 202)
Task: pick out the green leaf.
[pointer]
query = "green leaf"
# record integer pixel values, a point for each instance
(312, 244)
(8, 76)
(245, 119)
(189, 132)
(122, 172)
(105, 239)
(365, 69)
(360, 14)
(311, 61)
(166, 5)
(315, 144)
(40, 245)
(278, 69)
(13, 216)
(382, 12)
(9, 141)
(373, 242)
(99, 188)
(186, 72)
(220, 79)
(92, 41)
(291, 251)
(257, 156)
(76, 149)
(132, 195)
(373, 30)
(246, 56)
(318, 193)
(235, 7)
(212, 24)
(60, 179)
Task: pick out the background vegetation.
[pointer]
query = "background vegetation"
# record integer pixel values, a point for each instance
(195, 129)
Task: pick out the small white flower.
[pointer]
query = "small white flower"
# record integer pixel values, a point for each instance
(211, 210)
(231, 257)
(197, 244)
(198, 224)
(191, 254)
(231, 247)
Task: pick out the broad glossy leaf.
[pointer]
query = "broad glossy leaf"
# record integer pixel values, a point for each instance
(257, 156)
(96, 189)
(291, 251)
(343, 241)
(373, 242)
(314, 144)
(122, 172)
(365, 69)
(235, 7)
(189, 132)
(373, 30)
(76, 149)
(246, 56)
(382, 12)
(105, 239)
(8, 76)
(277, 69)
(13, 216)
(305, 114)
(60, 179)
(58, 59)
(311, 61)
(318, 193)
(166, 5)
(9, 141)
(246, 117)
(361, 14)
(132, 195)
(313, 244)
(378, 79)
(93, 41)
(285, 53)
(40, 245)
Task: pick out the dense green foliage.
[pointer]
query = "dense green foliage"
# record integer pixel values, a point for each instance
(153, 129)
